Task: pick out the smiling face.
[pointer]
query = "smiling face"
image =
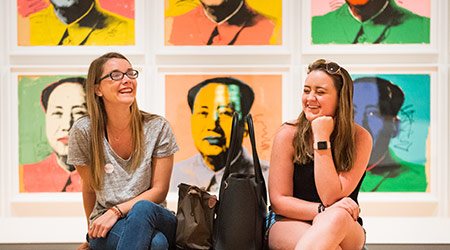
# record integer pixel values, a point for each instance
(65, 105)
(117, 92)
(212, 117)
(319, 95)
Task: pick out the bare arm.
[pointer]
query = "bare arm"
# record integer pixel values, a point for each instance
(89, 198)
(331, 185)
(281, 179)
(88, 193)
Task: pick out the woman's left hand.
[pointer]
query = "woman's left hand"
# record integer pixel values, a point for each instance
(349, 205)
(101, 226)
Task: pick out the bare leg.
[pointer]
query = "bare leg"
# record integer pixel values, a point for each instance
(333, 229)
(285, 234)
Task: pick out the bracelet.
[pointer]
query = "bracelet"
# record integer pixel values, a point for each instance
(320, 208)
(116, 211)
(120, 211)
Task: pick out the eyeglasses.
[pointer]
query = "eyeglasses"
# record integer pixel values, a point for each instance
(332, 68)
(118, 75)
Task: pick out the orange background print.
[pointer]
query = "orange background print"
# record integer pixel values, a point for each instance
(271, 9)
(266, 110)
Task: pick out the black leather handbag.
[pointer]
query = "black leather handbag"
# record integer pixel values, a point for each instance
(242, 208)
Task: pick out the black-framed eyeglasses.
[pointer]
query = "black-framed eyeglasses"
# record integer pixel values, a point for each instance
(118, 75)
(332, 68)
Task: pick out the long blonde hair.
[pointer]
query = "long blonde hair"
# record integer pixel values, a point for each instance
(99, 119)
(342, 137)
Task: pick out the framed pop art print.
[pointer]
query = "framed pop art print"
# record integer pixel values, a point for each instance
(400, 26)
(199, 106)
(90, 23)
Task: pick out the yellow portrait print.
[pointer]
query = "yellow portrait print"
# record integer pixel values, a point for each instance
(75, 23)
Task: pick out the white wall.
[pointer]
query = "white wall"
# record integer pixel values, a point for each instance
(389, 218)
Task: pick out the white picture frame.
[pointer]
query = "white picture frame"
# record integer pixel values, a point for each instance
(74, 52)
(196, 75)
(19, 203)
(425, 50)
(189, 51)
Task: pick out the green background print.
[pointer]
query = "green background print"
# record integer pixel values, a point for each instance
(33, 144)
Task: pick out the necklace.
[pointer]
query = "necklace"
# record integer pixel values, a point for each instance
(117, 137)
(226, 18)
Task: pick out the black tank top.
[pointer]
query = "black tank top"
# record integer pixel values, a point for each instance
(305, 186)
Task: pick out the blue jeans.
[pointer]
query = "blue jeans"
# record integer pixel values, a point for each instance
(146, 226)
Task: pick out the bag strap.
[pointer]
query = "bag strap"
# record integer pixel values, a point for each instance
(258, 172)
(236, 144)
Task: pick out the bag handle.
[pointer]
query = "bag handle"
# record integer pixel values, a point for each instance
(258, 172)
(235, 144)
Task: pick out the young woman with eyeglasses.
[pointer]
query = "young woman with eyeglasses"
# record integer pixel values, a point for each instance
(317, 165)
(124, 157)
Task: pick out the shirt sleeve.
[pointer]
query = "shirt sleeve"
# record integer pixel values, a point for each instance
(79, 138)
(166, 144)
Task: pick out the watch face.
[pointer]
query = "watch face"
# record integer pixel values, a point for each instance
(322, 145)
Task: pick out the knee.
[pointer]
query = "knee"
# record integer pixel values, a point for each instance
(143, 205)
(159, 242)
(339, 217)
(143, 208)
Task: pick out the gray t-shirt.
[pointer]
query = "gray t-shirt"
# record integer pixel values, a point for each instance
(120, 184)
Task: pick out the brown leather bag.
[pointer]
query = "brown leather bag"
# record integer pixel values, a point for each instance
(195, 215)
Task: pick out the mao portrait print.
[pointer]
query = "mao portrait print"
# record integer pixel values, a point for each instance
(75, 22)
(223, 22)
(370, 22)
(395, 109)
(200, 109)
(48, 107)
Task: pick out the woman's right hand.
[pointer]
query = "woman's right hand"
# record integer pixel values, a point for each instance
(84, 246)
(101, 226)
(349, 205)
(322, 127)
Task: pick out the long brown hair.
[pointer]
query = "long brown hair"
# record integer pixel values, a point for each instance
(99, 119)
(342, 137)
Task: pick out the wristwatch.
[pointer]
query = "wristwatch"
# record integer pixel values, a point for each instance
(322, 145)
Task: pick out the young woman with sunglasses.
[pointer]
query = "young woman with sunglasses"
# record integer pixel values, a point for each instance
(124, 157)
(317, 166)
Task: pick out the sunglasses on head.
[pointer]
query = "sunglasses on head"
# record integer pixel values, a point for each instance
(332, 68)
